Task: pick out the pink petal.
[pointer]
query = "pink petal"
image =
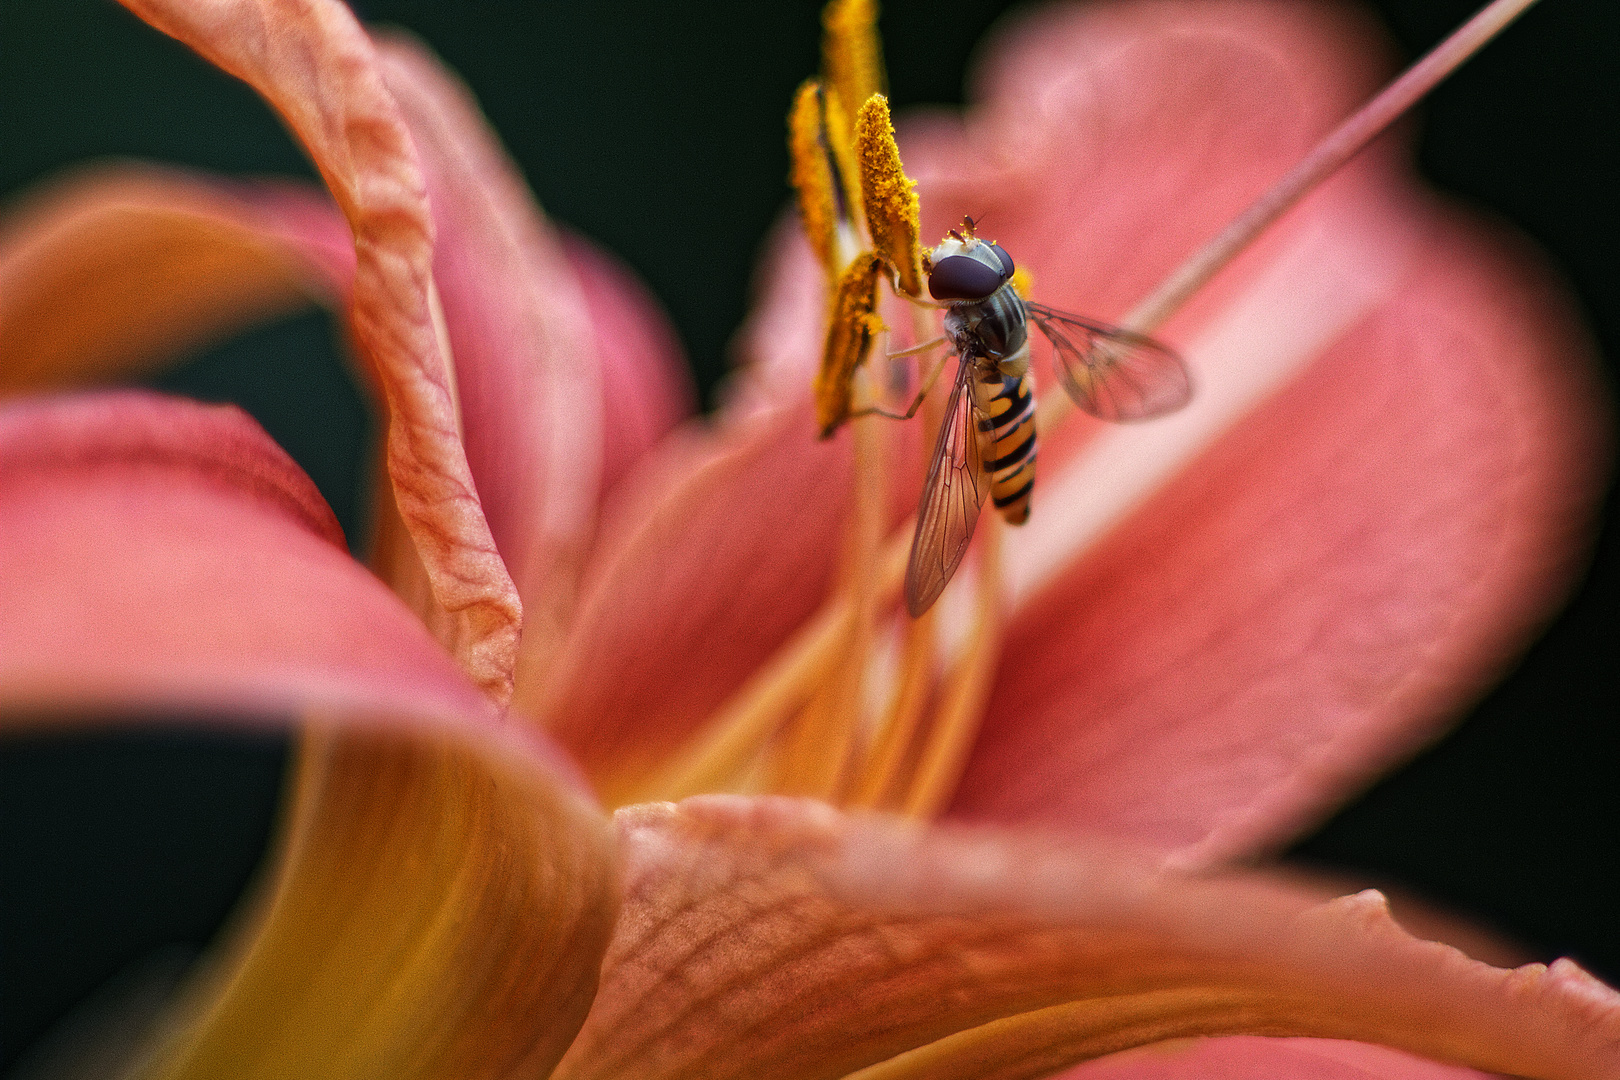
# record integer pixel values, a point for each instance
(525, 357)
(163, 556)
(113, 272)
(778, 937)
(563, 382)
(710, 556)
(115, 501)
(1246, 1057)
(646, 386)
(316, 67)
(1238, 658)
(1237, 616)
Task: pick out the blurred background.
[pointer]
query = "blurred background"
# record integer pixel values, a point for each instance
(637, 121)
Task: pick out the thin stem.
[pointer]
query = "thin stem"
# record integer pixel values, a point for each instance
(965, 693)
(1340, 146)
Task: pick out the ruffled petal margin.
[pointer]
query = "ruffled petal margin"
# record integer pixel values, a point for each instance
(778, 937)
(553, 405)
(314, 64)
(166, 558)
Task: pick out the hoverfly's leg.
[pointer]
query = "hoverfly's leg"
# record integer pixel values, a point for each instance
(878, 410)
(916, 350)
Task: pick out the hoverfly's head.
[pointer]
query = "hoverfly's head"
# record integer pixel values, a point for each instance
(963, 267)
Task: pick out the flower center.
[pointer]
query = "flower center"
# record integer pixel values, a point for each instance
(864, 706)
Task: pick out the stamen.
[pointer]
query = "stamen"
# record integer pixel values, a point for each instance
(812, 177)
(1342, 144)
(892, 214)
(852, 54)
(821, 148)
(852, 326)
(877, 782)
(736, 735)
(966, 690)
(821, 745)
(885, 781)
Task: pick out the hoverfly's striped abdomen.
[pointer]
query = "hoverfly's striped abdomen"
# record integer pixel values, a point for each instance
(1007, 412)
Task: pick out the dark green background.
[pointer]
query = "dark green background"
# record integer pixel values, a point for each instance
(657, 129)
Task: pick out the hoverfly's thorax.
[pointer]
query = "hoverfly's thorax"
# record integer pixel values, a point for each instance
(995, 327)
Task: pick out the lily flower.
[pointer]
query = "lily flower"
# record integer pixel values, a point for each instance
(1224, 625)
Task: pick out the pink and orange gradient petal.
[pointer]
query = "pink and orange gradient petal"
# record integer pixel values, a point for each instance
(1380, 488)
(178, 562)
(1408, 513)
(112, 273)
(1383, 488)
(779, 936)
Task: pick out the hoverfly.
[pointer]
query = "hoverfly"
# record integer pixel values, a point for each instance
(986, 443)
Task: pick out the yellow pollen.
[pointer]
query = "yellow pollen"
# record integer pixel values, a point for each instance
(852, 325)
(823, 176)
(812, 172)
(891, 203)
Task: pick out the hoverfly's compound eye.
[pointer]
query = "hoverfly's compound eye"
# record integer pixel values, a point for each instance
(962, 277)
(1006, 260)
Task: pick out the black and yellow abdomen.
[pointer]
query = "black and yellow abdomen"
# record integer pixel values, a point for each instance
(1006, 403)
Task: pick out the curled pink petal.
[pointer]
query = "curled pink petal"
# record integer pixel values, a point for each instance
(117, 270)
(112, 501)
(563, 382)
(771, 935)
(318, 69)
(525, 356)
(164, 557)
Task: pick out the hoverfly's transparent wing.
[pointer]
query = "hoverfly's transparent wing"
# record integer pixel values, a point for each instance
(1112, 373)
(956, 487)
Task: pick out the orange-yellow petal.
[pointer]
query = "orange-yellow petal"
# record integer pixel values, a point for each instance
(437, 911)
(117, 270)
(316, 66)
(777, 937)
